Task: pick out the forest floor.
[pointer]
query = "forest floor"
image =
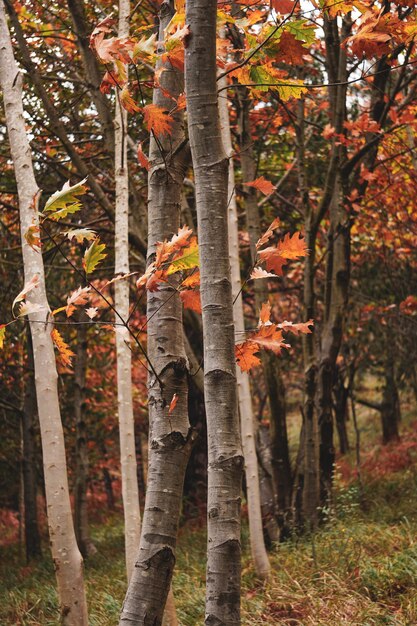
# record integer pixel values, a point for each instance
(360, 568)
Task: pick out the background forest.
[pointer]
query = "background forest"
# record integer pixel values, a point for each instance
(208, 312)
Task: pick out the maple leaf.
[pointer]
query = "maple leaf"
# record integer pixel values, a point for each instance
(302, 328)
(32, 237)
(127, 101)
(173, 404)
(292, 247)
(2, 335)
(263, 185)
(65, 201)
(258, 272)
(157, 119)
(186, 259)
(191, 300)
(269, 337)
(79, 296)
(268, 233)
(92, 312)
(265, 314)
(283, 6)
(79, 234)
(65, 353)
(273, 260)
(93, 255)
(245, 354)
(142, 158)
(28, 287)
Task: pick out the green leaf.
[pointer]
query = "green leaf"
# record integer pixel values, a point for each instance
(260, 75)
(187, 261)
(290, 89)
(302, 31)
(65, 201)
(93, 255)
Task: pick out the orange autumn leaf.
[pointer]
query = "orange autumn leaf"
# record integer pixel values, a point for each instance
(245, 356)
(269, 337)
(157, 119)
(142, 158)
(191, 300)
(273, 260)
(302, 328)
(283, 6)
(65, 353)
(173, 404)
(265, 314)
(292, 247)
(263, 185)
(268, 234)
(127, 101)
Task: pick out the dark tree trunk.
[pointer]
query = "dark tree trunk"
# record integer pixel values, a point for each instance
(29, 413)
(266, 485)
(390, 407)
(82, 533)
(341, 411)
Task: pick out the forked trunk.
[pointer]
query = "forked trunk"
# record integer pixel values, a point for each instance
(130, 490)
(225, 462)
(170, 436)
(67, 558)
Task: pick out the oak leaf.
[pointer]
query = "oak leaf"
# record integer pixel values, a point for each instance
(273, 260)
(302, 328)
(268, 233)
(65, 201)
(292, 247)
(258, 272)
(93, 255)
(263, 185)
(127, 101)
(142, 158)
(157, 119)
(64, 351)
(245, 354)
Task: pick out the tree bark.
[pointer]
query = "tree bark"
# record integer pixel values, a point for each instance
(170, 437)
(82, 532)
(390, 406)
(130, 489)
(29, 413)
(225, 462)
(247, 421)
(65, 553)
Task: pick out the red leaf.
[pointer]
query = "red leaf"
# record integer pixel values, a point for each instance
(273, 260)
(191, 300)
(142, 158)
(283, 6)
(263, 185)
(157, 119)
(245, 355)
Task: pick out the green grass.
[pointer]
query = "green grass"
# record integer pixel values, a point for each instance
(359, 569)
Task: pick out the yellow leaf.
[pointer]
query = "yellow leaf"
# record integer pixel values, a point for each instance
(93, 255)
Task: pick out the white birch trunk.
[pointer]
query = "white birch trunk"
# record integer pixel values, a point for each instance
(130, 490)
(259, 554)
(67, 558)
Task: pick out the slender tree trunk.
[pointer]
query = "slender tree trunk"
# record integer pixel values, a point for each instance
(82, 532)
(268, 497)
(170, 438)
(225, 462)
(29, 413)
(65, 553)
(130, 490)
(390, 406)
(247, 422)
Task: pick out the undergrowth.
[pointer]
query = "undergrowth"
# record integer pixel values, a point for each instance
(359, 569)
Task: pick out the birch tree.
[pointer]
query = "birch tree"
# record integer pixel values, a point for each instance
(67, 558)
(170, 435)
(247, 422)
(224, 449)
(130, 491)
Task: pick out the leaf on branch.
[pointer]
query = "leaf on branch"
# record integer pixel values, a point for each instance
(268, 234)
(302, 328)
(292, 247)
(93, 255)
(269, 337)
(142, 158)
(79, 234)
(144, 48)
(186, 259)
(65, 353)
(32, 237)
(283, 6)
(26, 308)
(245, 354)
(32, 284)
(2, 335)
(119, 277)
(79, 296)
(157, 119)
(273, 260)
(265, 314)
(92, 312)
(127, 101)
(192, 281)
(263, 185)
(258, 272)
(173, 404)
(65, 201)
(191, 300)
